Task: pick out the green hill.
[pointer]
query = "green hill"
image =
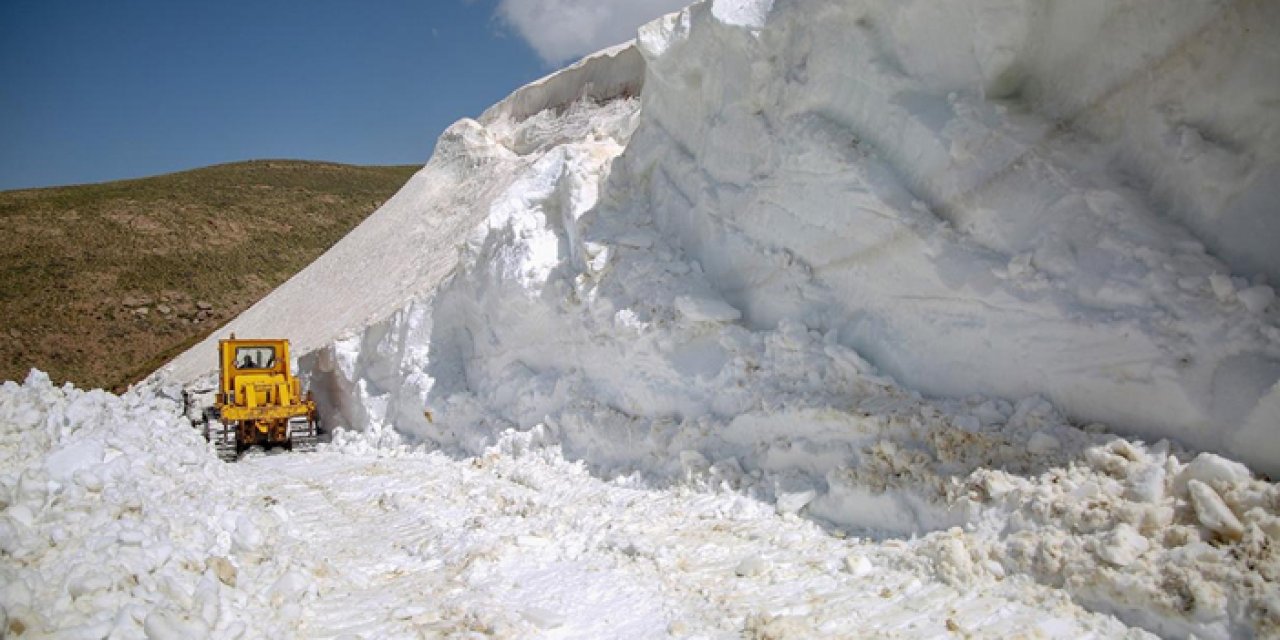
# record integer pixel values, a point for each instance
(100, 284)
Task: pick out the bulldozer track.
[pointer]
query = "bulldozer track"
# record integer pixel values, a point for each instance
(304, 439)
(223, 437)
(304, 435)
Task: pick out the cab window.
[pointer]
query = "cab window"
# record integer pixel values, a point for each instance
(255, 357)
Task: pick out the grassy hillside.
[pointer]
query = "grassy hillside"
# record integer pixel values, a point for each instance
(100, 284)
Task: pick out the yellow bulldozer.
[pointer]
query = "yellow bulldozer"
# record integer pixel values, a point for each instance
(258, 401)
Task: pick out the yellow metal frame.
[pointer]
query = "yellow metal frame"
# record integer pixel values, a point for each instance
(262, 398)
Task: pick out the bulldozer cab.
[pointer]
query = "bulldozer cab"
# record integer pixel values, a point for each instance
(252, 357)
(255, 373)
(255, 357)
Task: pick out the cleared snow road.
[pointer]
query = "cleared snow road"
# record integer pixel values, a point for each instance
(528, 545)
(119, 522)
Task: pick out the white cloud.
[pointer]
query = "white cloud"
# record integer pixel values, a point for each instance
(563, 29)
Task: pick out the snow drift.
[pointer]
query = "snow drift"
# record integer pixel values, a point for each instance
(747, 246)
(115, 521)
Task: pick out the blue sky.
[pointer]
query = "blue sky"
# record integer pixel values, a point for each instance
(92, 90)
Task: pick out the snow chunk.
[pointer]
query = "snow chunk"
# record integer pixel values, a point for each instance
(1042, 443)
(87, 583)
(543, 618)
(1147, 484)
(247, 537)
(63, 464)
(289, 588)
(751, 566)
(163, 624)
(654, 38)
(706, 309)
(1222, 287)
(1123, 546)
(1256, 299)
(858, 565)
(1212, 469)
(952, 561)
(1213, 513)
(793, 502)
(223, 569)
(742, 13)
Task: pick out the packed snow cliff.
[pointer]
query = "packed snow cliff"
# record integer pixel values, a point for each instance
(1026, 191)
(1060, 196)
(753, 245)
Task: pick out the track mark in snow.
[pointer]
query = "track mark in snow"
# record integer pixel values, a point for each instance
(533, 546)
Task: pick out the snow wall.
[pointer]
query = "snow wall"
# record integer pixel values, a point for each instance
(1001, 197)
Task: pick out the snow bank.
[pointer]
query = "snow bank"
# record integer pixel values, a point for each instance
(1036, 191)
(814, 214)
(116, 520)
